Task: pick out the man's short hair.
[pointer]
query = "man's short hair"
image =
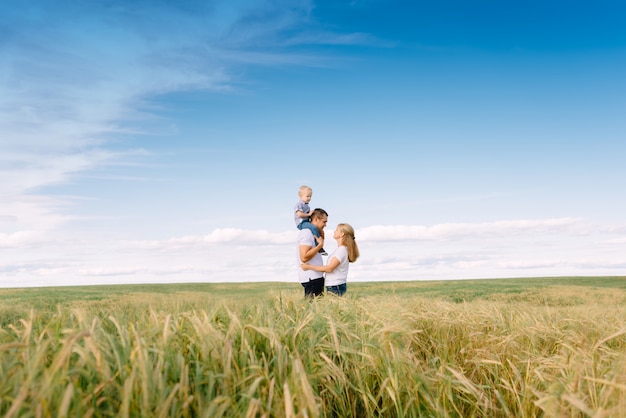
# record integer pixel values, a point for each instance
(318, 213)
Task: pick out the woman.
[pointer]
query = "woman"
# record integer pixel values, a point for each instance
(336, 268)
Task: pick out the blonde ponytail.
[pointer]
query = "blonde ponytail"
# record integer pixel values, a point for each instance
(349, 240)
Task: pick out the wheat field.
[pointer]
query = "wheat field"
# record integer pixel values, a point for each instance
(490, 348)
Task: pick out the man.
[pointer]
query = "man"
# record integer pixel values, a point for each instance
(308, 252)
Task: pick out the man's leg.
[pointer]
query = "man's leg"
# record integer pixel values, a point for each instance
(314, 287)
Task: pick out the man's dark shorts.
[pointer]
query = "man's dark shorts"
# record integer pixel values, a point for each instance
(315, 287)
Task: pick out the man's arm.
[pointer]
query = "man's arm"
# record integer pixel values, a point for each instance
(307, 252)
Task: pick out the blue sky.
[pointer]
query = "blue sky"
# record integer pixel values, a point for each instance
(161, 141)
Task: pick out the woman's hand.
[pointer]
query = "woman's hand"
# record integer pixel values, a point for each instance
(304, 266)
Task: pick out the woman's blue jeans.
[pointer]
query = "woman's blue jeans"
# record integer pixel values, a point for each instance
(338, 290)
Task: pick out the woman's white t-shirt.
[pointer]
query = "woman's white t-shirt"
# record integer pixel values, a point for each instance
(340, 273)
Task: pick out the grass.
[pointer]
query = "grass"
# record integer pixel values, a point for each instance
(545, 347)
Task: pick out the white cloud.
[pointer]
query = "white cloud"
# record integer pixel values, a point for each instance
(449, 231)
(27, 219)
(617, 241)
(537, 248)
(382, 233)
(21, 239)
(221, 236)
(255, 255)
(333, 38)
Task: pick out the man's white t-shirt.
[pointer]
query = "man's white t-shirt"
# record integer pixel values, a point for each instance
(340, 274)
(306, 238)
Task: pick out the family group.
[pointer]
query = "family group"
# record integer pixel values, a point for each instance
(313, 274)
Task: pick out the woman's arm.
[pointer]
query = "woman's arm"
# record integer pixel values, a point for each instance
(332, 265)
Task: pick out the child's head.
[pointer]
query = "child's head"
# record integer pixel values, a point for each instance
(305, 193)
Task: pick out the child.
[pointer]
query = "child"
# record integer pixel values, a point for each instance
(302, 213)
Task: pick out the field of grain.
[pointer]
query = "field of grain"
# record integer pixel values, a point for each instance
(475, 348)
